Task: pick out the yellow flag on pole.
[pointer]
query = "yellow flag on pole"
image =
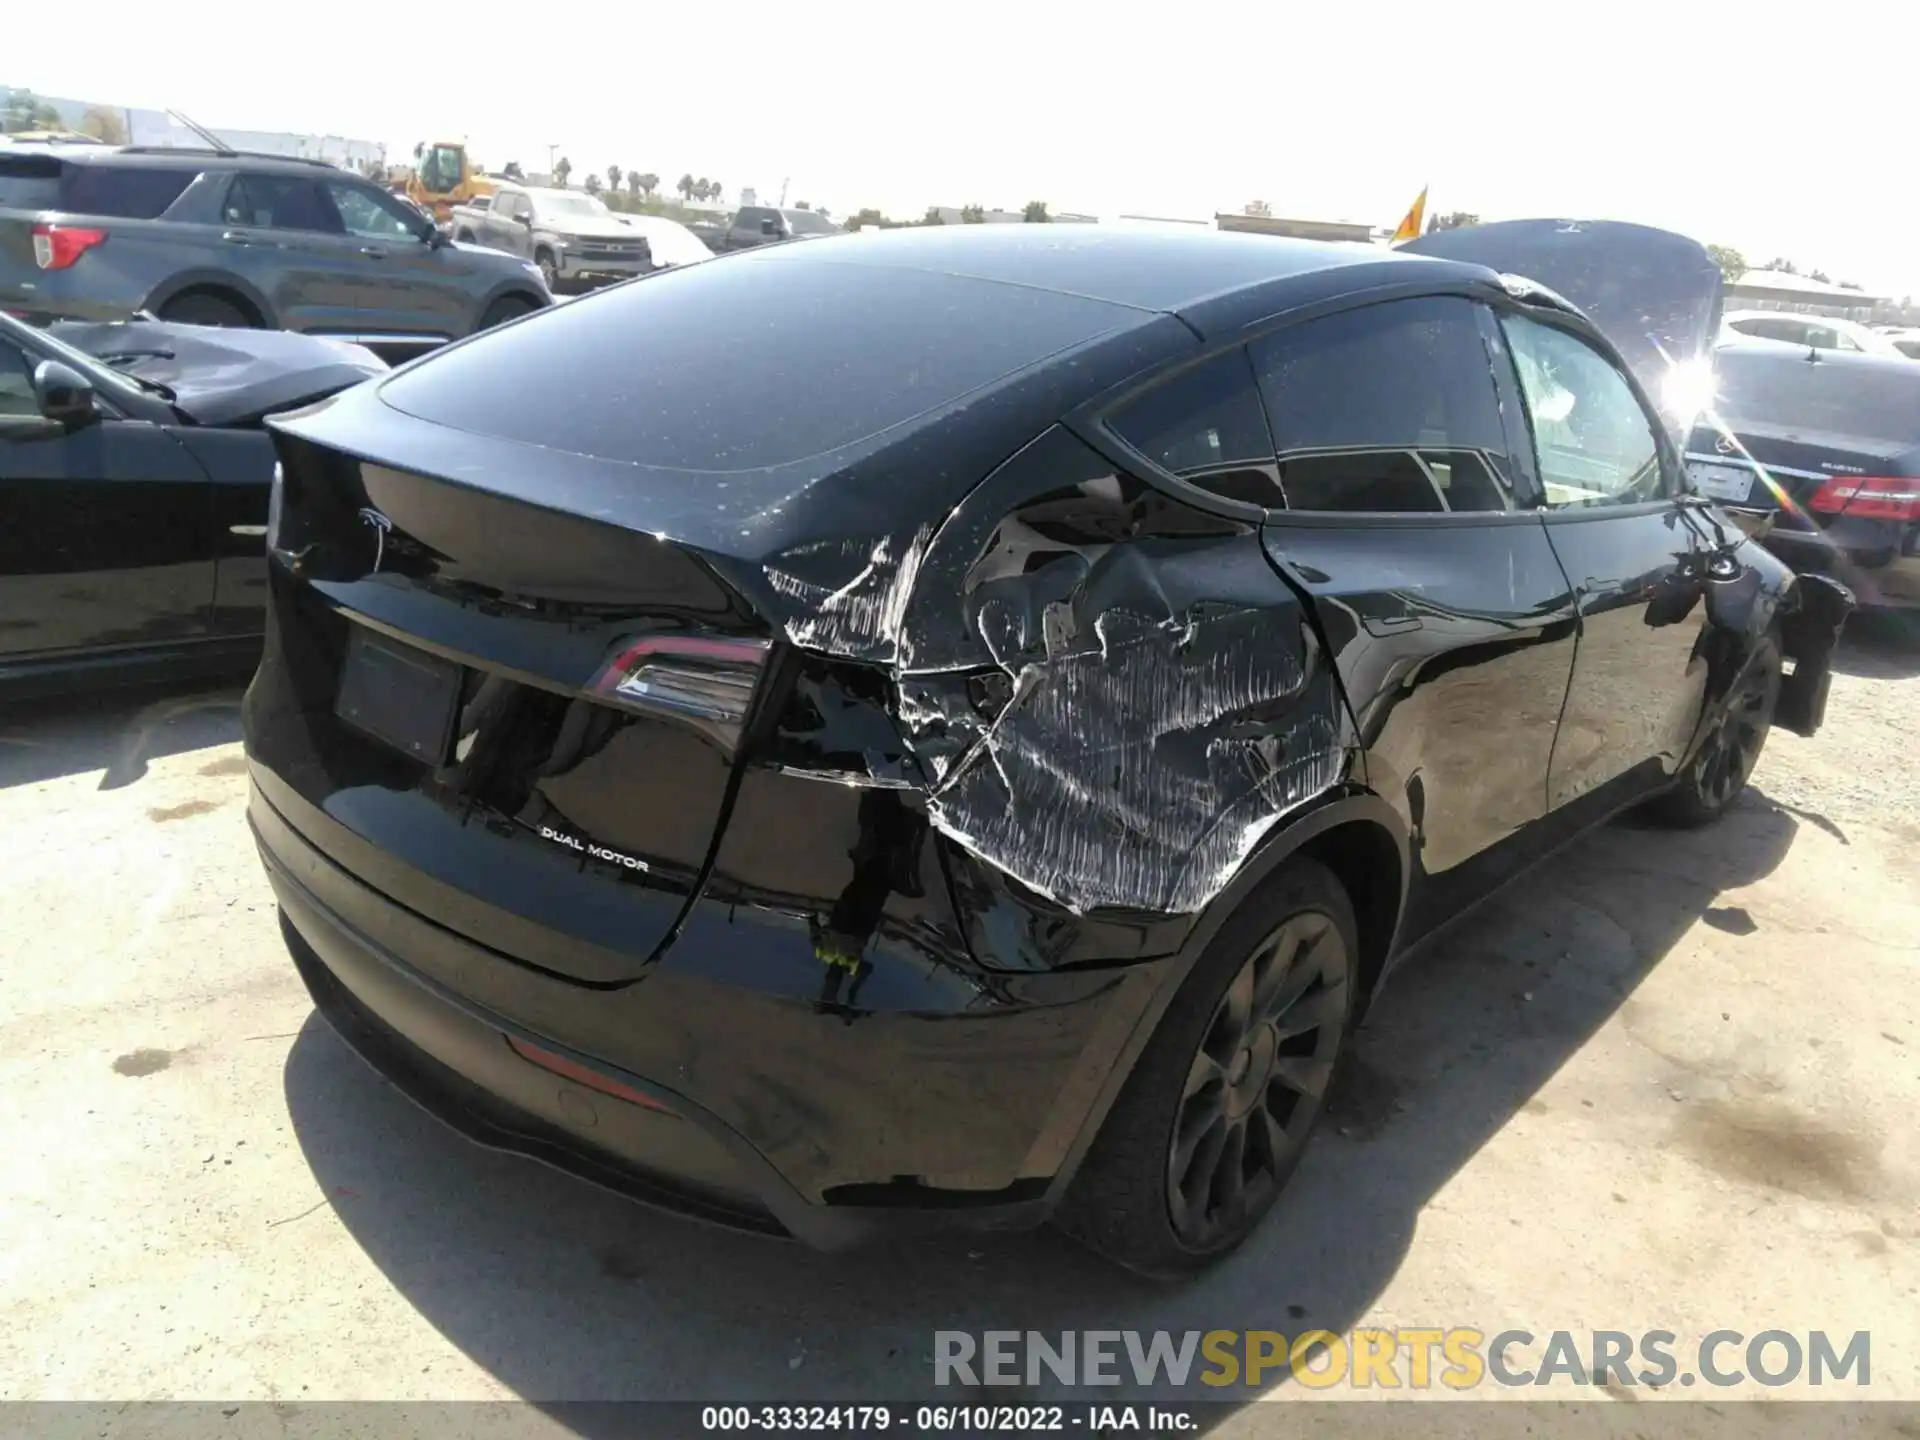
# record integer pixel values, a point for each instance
(1415, 219)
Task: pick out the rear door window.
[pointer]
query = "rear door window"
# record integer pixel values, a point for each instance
(29, 182)
(281, 202)
(1388, 408)
(1205, 425)
(125, 191)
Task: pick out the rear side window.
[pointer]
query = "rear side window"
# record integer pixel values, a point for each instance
(746, 365)
(128, 192)
(29, 182)
(1206, 426)
(1387, 408)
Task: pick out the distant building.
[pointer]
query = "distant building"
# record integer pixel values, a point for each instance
(154, 127)
(1297, 229)
(950, 214)
(1776, 290)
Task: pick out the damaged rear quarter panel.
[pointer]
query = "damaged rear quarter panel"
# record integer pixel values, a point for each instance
(1126, 698)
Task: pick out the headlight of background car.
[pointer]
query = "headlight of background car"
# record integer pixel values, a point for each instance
(276, 496)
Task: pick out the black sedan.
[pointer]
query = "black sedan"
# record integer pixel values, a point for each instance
(952, 727)
(1822, 449)
(135, 471)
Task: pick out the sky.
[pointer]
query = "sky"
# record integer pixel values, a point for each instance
(1742, 125)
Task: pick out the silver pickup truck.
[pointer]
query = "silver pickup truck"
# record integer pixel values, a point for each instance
(576, 241)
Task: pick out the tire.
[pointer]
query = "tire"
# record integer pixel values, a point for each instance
(549, 271)
(507, 307)
(463, 237)
(198, 307)
(1218, 1110)
(1724, 761)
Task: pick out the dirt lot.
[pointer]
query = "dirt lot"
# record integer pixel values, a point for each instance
(1668, 1083)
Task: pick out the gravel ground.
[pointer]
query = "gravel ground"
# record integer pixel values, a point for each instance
(1668, 1082)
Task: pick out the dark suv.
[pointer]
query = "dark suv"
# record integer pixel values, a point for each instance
(763, 225)
(227, 238)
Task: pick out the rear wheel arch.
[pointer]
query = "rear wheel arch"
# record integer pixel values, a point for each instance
(1355, 835)
(227, 288)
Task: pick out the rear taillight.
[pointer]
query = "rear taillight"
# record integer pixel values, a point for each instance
(705, 680)
(55, 247)
(1869, 497)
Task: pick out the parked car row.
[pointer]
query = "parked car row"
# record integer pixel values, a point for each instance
(222, 237)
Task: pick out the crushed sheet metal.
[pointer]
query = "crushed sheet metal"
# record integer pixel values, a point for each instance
(1139, 771)
(851, 594)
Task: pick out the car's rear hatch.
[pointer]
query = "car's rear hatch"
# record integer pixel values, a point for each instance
(528, 593)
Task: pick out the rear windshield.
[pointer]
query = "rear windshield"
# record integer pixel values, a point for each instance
(126, 192)
(1873, 400)
(744, 364)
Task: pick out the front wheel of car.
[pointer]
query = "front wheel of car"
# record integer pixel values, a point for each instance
(1727, 754)
(1219, 1107)
(507, 307)
(549, 270)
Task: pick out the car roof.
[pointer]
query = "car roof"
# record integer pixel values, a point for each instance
(1166, 271)
(183, 157)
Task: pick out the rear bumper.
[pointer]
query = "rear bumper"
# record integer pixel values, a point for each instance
(888, 1139)
(1877, 560)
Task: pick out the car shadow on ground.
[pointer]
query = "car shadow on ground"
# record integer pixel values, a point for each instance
(567, 1294)
(117, 732)
(1880, 646)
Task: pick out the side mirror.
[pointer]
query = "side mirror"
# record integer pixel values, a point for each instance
(525, 217)
(768, 227)
(64, 394)
(437, 238)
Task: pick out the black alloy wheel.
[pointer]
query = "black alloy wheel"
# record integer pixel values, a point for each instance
(1729, 752)
(1258, 1080)
(1218, 1108)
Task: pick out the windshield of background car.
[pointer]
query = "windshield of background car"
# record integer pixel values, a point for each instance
(746, 365)
(809, 222)
(1874, 400)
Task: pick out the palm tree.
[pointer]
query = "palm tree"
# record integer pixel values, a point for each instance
(702, 188)
(713, 190)
(649, 183)
(562, 171)
(633, 183)
(613, 177)
(592, 183)
(685, 187)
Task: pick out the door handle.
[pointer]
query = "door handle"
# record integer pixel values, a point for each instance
(373, 252)
(236, 237)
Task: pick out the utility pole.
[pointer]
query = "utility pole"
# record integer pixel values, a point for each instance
(783, 192)
(550, 150)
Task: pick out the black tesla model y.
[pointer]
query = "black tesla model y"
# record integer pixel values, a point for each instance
(952, 727)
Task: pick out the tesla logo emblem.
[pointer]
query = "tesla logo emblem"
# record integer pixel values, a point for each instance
(380, 525)
(1720, 443)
